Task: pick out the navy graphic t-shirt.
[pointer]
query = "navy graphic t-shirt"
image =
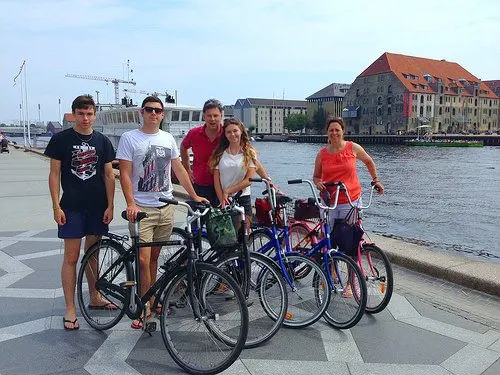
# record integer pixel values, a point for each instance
(82, 168)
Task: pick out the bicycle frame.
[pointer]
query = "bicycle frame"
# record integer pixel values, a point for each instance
(326, 241)
(135, 304)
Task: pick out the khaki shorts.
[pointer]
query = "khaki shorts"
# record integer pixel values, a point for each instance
(158, 225)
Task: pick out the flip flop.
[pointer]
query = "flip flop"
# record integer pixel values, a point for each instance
(107, 306)
(75, 327)
(158, 309)
(138, 323)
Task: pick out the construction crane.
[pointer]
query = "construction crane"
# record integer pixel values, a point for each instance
(168, 98)
(114, 81)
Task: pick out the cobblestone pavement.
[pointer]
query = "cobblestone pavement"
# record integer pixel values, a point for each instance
(430, 327)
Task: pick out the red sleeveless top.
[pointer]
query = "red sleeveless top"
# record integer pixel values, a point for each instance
(341, 167)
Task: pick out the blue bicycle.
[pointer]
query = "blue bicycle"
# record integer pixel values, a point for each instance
(307, 283)
(344, 278)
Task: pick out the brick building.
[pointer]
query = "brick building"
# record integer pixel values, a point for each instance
(397, 93)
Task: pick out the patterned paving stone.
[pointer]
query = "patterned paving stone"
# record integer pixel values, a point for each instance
(21, 310)
(51, 351)
(431, 311)
(400, 343)
(494, 369)
(29, 247)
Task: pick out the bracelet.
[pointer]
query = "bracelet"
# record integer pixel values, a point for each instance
(375, 179)
(56, 208)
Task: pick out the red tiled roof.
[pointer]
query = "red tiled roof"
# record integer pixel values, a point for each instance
(411, 70)
(69, 117)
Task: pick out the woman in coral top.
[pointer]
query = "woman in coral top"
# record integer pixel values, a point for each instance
(337, 162)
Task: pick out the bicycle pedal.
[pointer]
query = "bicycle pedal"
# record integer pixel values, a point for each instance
(150, 327)
(128, 284)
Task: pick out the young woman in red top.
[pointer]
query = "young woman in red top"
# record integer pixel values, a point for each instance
(337, 162)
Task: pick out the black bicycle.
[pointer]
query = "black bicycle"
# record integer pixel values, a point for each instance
(203, 331)
(259, 277)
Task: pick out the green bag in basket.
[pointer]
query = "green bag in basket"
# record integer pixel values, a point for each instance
(220, 229)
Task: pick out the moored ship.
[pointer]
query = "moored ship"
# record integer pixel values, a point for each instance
(178, 120)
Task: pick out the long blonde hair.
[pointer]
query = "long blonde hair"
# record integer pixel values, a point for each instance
(249, 152)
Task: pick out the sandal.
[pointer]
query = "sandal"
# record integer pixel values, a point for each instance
(347, 293)
(138, 323)
(74, 322)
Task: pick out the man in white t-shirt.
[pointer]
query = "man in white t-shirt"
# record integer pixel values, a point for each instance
(146, 157)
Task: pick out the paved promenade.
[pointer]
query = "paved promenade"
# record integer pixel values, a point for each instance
(431, 326)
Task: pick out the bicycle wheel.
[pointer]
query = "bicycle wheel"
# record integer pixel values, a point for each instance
(177, 235)
(299, 237)
(378, 275)
(267, 298)
(309, 296)
(257, 239)
(99, 292)
(348, 300)
(210, 342)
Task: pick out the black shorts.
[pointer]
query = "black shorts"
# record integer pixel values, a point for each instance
(82, 223)
(207, 192)
(245, 201)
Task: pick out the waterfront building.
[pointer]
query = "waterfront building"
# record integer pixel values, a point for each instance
(398, 93)
(54, 127)
(228, 111)
(329, 99)
(266, 116)
(68, 120)
(494, 85)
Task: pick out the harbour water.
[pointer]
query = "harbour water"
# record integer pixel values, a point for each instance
(445, 198)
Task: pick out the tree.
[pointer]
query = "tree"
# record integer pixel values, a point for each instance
(319, 119)
(296, 122)
(251, 128)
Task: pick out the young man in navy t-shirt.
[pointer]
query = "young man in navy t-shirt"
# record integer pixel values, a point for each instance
(80, 163)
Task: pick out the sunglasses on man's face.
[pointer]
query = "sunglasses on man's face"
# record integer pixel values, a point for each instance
(153, 109)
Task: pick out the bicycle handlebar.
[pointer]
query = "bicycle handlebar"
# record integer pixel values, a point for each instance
(340, 186)
(195, 213)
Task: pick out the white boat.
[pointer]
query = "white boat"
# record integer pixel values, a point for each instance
(178, 120)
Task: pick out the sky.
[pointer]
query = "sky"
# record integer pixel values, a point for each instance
(225, 49)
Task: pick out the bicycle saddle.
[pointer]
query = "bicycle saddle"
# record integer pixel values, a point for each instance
(140, 216)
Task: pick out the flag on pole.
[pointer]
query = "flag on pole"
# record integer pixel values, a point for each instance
(20, 71)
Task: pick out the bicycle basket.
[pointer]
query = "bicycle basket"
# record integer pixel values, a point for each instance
(347, 233)
(305, 210)
(220, 228)
(262, 209)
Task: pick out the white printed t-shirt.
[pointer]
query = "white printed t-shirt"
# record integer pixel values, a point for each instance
(151, 156)
(231, 169)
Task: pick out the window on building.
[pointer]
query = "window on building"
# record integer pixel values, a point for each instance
(195, 116)
(421, 98)
(440, 110)
(389, 100)
(453, 111)
(175, 115)
(389, 111)
(389, 89)
(185, 116)
(379, 100)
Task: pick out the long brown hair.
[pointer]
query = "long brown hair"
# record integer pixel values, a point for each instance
(249, 152)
